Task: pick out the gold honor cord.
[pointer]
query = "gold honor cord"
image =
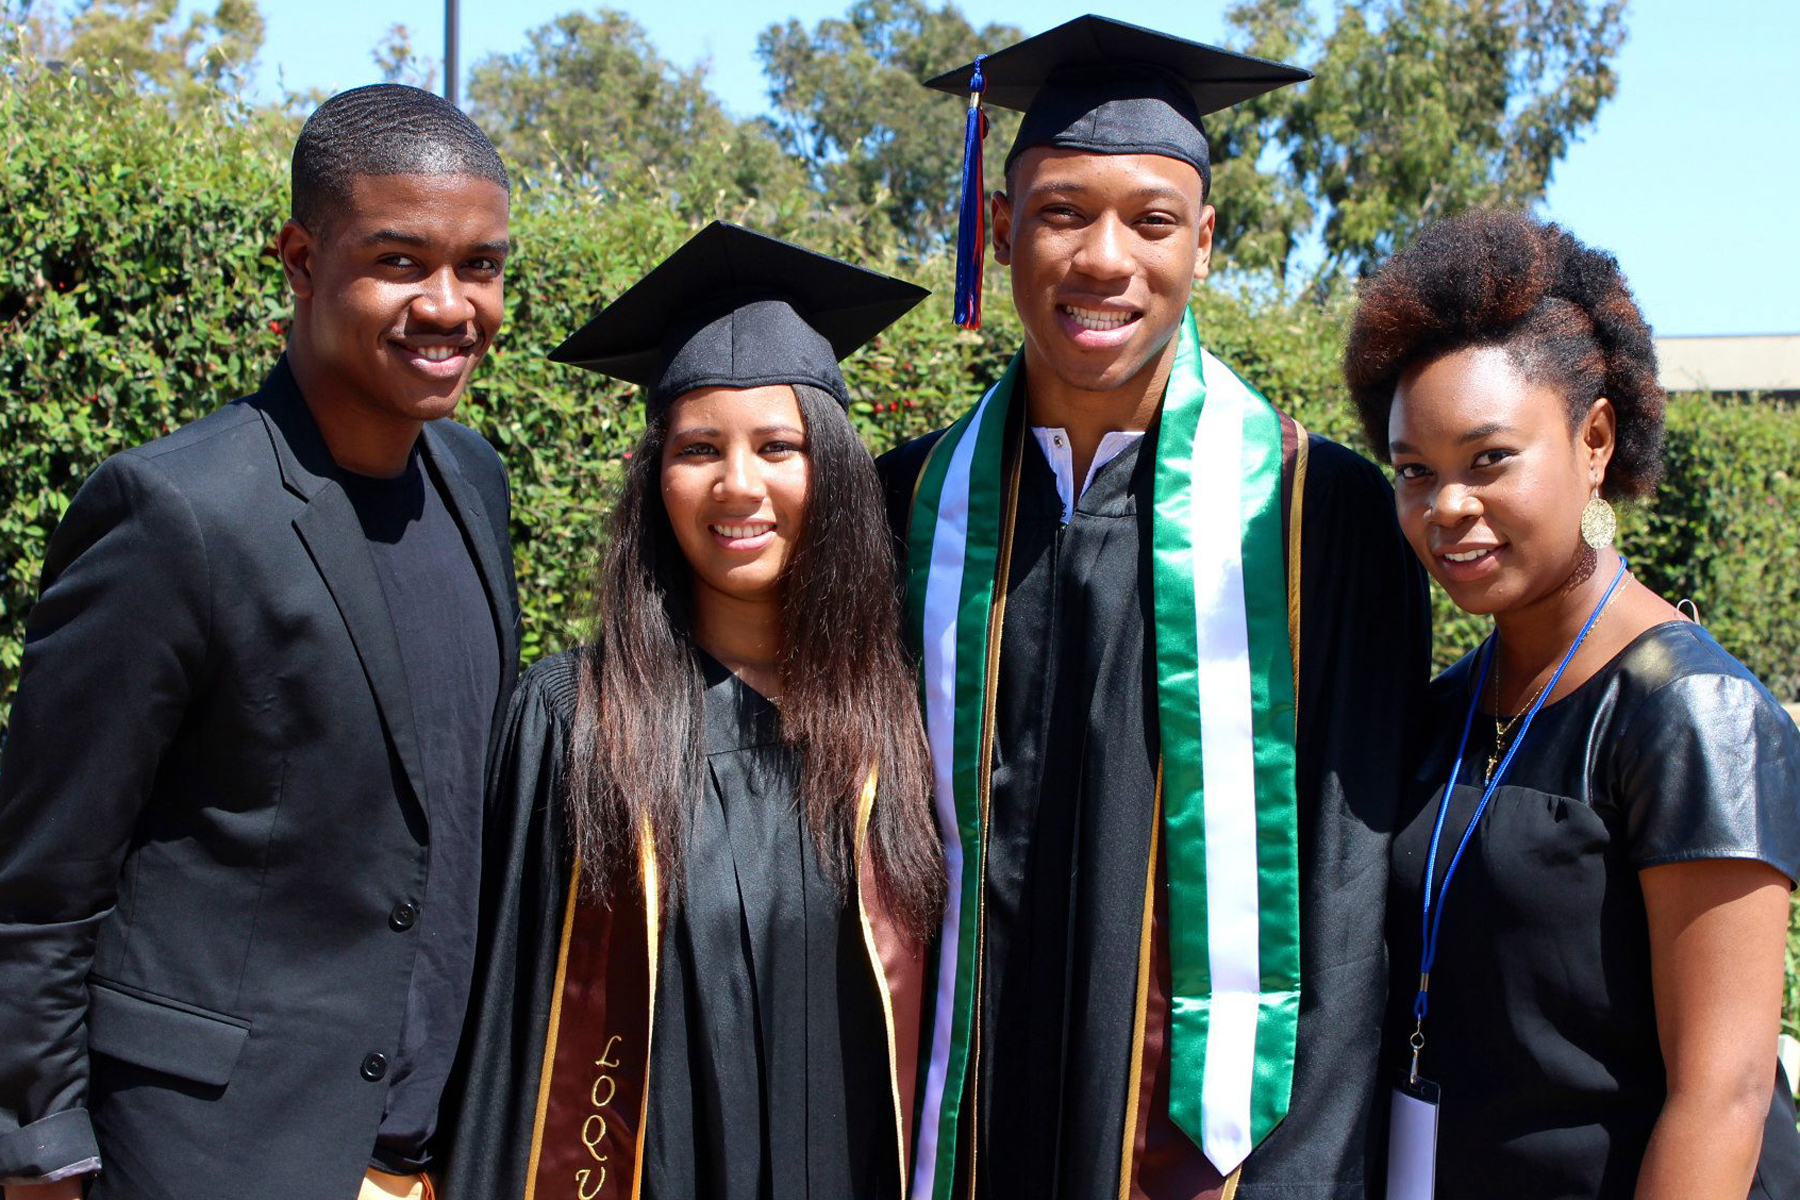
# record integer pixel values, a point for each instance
(1296, 528)
(865, 808)
(549, 1060)
(1009, 514)
(1146, 940)
(653, 931)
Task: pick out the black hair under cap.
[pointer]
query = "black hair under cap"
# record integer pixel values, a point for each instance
(1109, 87)
(736, 308)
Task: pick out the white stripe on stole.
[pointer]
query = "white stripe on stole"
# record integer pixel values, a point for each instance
(1228, 758)
(943, 603)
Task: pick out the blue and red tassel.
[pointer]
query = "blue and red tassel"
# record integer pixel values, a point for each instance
(971, 226)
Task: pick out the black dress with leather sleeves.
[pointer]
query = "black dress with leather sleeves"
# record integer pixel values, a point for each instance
(1542, 1026)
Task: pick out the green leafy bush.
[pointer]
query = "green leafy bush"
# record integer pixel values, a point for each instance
(1722, 529)
(138, 290)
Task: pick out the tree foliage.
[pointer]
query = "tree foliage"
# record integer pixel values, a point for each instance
(1424, 108)
(398, 62)
(146, 45)
(590, 98)
(851, 110)
(1263, 212)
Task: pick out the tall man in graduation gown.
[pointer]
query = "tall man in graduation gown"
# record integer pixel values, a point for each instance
(1170, 647)
(240, 806)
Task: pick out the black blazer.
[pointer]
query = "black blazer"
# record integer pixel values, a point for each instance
(210, 816)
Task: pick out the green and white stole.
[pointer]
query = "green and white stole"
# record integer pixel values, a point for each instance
(1225, 711)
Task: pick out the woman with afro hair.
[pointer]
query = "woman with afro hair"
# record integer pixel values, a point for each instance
(1590, 887)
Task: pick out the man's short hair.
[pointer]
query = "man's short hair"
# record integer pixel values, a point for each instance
(383, 129)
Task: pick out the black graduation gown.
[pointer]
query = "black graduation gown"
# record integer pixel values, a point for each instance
(768, 1069)
(1073, 794)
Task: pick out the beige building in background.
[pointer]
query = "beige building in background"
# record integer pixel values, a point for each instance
(1767, 363)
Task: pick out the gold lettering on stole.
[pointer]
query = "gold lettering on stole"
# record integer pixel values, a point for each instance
(590, 1182)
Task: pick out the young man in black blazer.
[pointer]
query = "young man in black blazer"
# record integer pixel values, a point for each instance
(241, 805)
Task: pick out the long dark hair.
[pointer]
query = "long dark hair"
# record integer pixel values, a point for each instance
(848, 700)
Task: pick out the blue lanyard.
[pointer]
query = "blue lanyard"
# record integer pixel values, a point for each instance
(1434, 910)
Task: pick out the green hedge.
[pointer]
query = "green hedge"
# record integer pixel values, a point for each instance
(1722, 530)
(137, 291)
(141, 290)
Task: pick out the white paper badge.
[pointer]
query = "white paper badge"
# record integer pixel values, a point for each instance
(1412, 1142)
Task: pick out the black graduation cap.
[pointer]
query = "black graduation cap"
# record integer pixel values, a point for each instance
(1113, 88)
(737, 308)
(1099, 85)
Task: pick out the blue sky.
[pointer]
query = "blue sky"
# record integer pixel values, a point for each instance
(1691, 174)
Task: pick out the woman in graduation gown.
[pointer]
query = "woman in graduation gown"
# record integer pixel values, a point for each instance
(1590, 896)
(701, 963)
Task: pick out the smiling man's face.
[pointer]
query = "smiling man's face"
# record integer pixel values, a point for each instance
(1104, 250)
(401, 291)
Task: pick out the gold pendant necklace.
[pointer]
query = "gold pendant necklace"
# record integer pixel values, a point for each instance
(1503, 731)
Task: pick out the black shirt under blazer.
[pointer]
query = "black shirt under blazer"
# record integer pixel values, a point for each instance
(210, 825)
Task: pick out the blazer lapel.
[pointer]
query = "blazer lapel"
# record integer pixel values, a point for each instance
(478, 532)
(334, 538)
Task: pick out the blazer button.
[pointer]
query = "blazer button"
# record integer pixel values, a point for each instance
(404, 915)
(374, 1067)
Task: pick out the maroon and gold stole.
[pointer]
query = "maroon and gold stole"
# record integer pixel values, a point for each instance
(588, 1140)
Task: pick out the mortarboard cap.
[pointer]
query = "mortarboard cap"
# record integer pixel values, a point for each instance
(736, 308)
(1098, 85)
(1108, 87)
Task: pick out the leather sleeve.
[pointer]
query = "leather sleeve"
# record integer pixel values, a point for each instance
(1709, 767)
(113, 652)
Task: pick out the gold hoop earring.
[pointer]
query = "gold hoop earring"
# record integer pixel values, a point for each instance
(1598, 524)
